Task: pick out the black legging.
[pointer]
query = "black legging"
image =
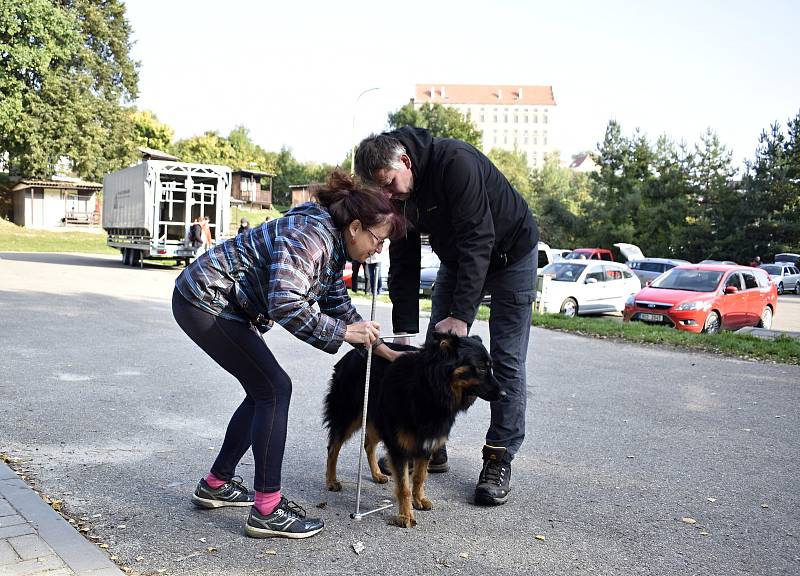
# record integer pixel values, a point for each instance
(261, 418)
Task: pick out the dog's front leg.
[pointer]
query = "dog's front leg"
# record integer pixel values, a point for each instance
(402, 491)
(418, 484)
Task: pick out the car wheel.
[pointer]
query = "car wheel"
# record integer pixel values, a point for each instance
(766, 318)
(780, 288)
(569, 308)
(712, 324)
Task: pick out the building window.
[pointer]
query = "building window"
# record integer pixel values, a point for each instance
(505, 118)
(535, 139)
(482, 119)
(494, 118)
(516, 119)
(526, 118)
(526, 139)
(535, 119)
(544, 119)
(544, 139)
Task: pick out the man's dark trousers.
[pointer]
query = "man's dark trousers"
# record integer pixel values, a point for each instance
(512, 290)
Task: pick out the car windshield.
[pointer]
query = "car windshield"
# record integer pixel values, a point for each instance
(564, 271)
(773, 269)
(576, 256)
(689, 279)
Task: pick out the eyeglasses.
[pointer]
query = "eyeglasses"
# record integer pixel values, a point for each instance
(378, 241)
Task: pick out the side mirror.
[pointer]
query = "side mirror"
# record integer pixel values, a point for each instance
(731, 289)
(591, 281)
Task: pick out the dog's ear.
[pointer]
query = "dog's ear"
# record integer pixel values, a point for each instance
(446, 342)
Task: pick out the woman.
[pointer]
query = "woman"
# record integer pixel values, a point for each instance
(275, 273)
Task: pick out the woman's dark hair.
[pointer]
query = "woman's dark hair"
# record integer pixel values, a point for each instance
(347, 201)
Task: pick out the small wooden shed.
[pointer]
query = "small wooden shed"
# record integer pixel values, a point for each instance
(53, 203)
(246, 186)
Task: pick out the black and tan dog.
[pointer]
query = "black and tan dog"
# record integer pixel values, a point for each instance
(413, 403)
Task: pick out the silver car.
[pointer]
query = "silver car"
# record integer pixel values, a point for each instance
(648, 269)
(784, 275)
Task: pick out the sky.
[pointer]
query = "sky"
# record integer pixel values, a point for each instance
(293, 72)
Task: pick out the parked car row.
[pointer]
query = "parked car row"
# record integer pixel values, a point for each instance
(705, 297)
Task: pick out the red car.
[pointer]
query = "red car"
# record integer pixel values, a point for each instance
(347, 275)
(706, 298)
(590, 254)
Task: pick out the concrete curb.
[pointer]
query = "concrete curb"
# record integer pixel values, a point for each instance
(77, 553)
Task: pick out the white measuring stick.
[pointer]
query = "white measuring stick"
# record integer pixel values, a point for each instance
(357, 514)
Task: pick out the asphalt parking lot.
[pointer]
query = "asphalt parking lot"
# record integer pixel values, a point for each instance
(114, 411)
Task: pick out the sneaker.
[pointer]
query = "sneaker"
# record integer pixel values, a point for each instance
(494, 482)
(436, 465)
(232, 493)
(288, 520)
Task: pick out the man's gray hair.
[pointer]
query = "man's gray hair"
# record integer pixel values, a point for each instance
(378, 152)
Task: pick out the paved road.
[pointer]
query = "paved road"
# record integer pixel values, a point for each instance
(116, 412)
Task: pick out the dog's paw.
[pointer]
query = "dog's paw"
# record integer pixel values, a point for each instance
(403, 521)
(334, 486)
(422, 504)
(380, 478)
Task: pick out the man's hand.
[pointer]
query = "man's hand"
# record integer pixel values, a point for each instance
(452, 325)
(365, 332)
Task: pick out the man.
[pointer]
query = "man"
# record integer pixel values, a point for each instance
(485, 237)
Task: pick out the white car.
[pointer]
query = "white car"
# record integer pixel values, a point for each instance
(785, 275)
(572, 287)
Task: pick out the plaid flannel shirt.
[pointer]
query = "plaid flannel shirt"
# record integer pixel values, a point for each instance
(277, 272)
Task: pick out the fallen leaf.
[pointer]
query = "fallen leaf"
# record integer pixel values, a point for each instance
(161, 570)
(711, 499)
(765, 505)
(203, 540)
(464, 555)
(139, 558)
(271, 552)
(687, 520)
(96, 515)
(122, 526)
(703, 533)
(103, 545)
(322, 505)
(540, 537)
(358, 547)
(211, 549)
(113, 558)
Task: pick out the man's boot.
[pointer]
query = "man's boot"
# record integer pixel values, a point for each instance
(494, 483)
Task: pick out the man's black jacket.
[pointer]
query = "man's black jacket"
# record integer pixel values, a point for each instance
(476, 221)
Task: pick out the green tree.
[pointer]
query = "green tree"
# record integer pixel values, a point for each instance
(663, 211)
(442, 121)
(557, 198)
(612, 212)
(65, 74)
(514, 166)
(715, 209)
(150, 132)
(771, 191)
(209, 148)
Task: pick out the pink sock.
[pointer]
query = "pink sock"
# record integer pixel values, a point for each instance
(266, 502)
(213, 481)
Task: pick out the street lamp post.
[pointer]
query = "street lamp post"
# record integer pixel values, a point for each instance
(353, 135)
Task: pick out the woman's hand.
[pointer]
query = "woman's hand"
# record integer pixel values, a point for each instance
(365, 332)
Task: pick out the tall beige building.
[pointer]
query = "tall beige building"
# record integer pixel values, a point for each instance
(510, 117)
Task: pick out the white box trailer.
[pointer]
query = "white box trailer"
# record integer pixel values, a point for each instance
(148, 208)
